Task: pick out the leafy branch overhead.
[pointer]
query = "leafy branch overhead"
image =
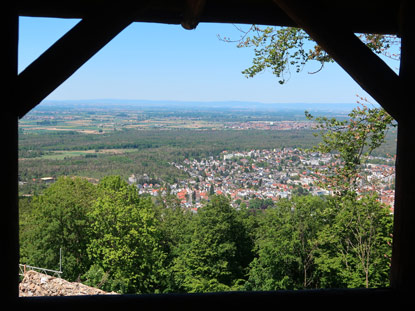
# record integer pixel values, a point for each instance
(288, 49)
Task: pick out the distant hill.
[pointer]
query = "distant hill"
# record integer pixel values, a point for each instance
(198, 105)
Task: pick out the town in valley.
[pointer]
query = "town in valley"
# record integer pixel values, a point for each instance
(250, 177)
(267, 175)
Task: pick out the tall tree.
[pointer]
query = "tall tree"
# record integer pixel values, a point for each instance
(285, 245)
(350, 142)
(176, 226)
(60, 221)
(211, 190)
(218, 253)
(125, 238)
(355, 244)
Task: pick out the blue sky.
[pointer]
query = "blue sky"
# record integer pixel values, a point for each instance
(166, 62)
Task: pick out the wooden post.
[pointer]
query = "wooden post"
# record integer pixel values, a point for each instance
(9, 219)
(403, 251)
(403, 270)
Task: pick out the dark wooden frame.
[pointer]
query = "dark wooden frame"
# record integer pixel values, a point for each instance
(392, 91)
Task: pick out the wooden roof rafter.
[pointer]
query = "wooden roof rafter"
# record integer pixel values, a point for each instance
(367, 16)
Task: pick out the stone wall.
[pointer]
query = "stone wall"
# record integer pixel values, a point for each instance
(39, 284)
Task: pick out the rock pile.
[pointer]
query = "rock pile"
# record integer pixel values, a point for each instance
(39, 284)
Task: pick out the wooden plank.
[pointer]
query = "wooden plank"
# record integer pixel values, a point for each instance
(365, 67)
(63, 58)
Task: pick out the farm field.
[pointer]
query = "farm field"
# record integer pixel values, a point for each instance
(104, 122)
(64, 154)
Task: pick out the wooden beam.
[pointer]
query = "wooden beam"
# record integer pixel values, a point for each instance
(9, 220)
(403, 251)
(377, 16)
(365, 67)
(192, 12)
(69, 53)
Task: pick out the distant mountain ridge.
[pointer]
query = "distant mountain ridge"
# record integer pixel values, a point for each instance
(199, 105)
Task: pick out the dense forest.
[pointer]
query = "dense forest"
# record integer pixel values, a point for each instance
(193, 139)
(117, 240)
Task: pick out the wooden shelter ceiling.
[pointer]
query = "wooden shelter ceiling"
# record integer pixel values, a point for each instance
(360, 16)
